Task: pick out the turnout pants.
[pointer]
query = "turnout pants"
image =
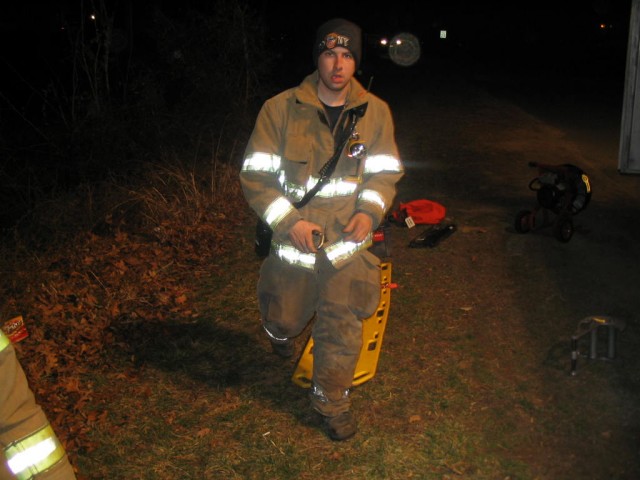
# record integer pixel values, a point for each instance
(290, 296)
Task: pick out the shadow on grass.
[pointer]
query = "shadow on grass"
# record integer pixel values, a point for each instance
(215, 357)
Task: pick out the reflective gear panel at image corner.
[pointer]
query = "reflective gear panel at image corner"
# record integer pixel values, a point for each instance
(30, 446)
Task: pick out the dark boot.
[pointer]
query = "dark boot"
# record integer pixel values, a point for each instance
(284, 350)
(341, 427)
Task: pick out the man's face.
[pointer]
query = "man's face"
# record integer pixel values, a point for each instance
(336, 67)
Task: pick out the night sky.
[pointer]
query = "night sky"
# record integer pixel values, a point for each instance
(569, 37)
(492, 29)
(552, 40)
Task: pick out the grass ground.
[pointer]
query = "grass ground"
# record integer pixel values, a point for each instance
(146, 351)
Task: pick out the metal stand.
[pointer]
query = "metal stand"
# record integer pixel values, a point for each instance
(590, 325)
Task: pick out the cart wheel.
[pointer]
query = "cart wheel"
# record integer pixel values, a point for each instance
(524, 221)
(563, 228)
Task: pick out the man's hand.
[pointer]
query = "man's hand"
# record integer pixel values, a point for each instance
(302, 237)
(358, 227)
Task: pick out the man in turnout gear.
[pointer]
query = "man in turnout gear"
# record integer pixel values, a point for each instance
(30, 447)
(319, 265)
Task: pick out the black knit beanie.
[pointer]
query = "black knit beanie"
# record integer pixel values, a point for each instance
(338, 33)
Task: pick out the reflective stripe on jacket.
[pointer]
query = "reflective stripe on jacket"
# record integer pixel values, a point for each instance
(290, 143)
(34, 454)
(29, 444)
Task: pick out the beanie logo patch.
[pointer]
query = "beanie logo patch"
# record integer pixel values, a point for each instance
(334, 40)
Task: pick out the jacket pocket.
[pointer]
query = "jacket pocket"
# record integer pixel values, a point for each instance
(297, 155)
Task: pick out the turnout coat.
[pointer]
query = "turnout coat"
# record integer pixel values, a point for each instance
(291, 142)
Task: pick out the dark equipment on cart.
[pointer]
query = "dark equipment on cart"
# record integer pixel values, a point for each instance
(562, 191)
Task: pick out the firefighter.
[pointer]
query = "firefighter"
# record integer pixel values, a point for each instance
(319, 265)
(30, 447)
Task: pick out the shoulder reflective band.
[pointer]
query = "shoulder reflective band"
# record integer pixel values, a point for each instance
(381, 163)
(34, 454)
(4, 341)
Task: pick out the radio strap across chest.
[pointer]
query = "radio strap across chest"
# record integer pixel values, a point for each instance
(327, 169)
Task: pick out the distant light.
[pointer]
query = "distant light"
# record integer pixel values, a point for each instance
(384, 41)
(92, 16)
(602, 26)
(443, 34)
(404, 49)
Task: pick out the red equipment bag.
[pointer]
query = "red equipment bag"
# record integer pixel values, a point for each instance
(421, 212)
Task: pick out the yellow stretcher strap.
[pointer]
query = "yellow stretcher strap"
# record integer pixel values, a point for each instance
(372, 333)
(34, 454)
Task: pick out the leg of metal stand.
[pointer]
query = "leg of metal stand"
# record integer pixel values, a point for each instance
(612, 342)
(593, 351)
(574, 355)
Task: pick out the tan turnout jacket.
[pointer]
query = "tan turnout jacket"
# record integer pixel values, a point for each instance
(290, 143)
(30, 448)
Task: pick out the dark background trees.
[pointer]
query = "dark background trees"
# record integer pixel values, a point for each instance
(95, 88)
(92, 88)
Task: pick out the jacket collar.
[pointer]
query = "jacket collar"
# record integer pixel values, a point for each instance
(307, 92)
